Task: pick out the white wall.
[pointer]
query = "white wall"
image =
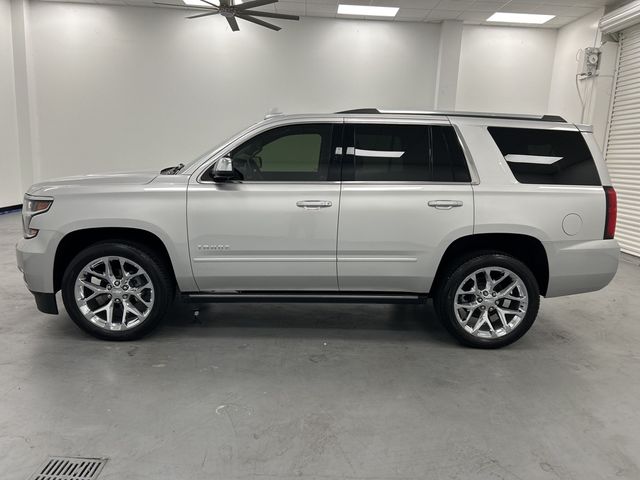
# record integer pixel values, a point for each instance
(121, 87)
(103, 88)
(563, 97)
(451, 32)
(505, 69)
(10, 187)
(596, 92)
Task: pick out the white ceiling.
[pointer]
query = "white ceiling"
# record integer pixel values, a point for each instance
(470, 11)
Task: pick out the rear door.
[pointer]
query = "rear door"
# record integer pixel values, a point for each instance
(406, 195)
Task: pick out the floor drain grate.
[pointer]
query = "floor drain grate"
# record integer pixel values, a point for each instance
(70, 468)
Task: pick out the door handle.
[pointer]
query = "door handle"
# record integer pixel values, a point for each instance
(313, 204)
(444, 204)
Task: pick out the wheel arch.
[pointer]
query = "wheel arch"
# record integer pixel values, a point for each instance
(529, 250)
(77, 240)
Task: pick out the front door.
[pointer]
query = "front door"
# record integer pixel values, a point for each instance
(406, 194)
(274, 226)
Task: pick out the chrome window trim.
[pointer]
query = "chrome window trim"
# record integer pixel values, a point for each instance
(274, 122)
(335, 182)
(270, 182)
(437, 118)
(400, 182)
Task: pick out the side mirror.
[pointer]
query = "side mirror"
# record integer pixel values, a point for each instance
(223, 170)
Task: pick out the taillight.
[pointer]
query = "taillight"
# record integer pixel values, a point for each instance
(612, 212)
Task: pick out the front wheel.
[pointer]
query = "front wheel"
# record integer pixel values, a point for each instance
(488, 300)
(117, 291)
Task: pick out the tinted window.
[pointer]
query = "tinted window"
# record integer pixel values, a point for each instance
(546, 156)
(291, 153)
(449, 164)
(407, 153)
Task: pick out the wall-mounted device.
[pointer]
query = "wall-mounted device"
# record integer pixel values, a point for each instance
(591, 62)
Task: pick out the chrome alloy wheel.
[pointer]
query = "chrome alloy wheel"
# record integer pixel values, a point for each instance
(114, 293)
(491, 302)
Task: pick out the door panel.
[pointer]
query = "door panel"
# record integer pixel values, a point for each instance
(406, 194)
(273, 225)
(388, 234)
(252, 236)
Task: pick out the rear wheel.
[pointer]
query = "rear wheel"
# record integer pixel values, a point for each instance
(117, 291)
(488, 300)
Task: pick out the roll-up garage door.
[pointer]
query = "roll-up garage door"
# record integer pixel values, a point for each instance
(623, 144)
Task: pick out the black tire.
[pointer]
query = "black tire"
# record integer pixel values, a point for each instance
(156, 268)
(456, 273)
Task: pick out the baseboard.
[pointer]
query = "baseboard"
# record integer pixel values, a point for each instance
(10, 208)
(627, 257)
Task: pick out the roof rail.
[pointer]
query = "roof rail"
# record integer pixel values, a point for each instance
(508, 116)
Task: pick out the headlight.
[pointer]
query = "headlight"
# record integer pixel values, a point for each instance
(31, 207)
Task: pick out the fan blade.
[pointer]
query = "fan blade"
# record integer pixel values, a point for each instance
(283, 16)
(253, 4)
(183, 6)
(233, 23)
(258, 22)
(205, 14)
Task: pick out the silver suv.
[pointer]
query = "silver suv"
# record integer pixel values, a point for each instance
(482, 212)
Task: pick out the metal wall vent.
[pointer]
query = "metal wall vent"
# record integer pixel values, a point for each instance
(70, 468)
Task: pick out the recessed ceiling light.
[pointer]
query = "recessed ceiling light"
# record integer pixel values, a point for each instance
(520, 18)
(367, 11)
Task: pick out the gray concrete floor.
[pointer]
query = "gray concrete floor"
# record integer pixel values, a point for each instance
(323, 392)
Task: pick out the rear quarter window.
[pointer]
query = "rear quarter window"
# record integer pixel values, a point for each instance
(539, 156)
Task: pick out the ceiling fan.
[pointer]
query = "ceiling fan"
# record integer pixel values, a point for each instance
(230, 10)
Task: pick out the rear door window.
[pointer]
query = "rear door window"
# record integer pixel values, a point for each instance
(540, 156)
(448, 161)
(405, 153)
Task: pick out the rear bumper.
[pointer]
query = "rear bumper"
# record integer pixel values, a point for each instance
(579, 267)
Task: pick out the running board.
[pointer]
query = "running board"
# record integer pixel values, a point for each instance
(303, 297)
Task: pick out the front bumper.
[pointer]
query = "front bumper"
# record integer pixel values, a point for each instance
(35, 258)
(579, 267)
